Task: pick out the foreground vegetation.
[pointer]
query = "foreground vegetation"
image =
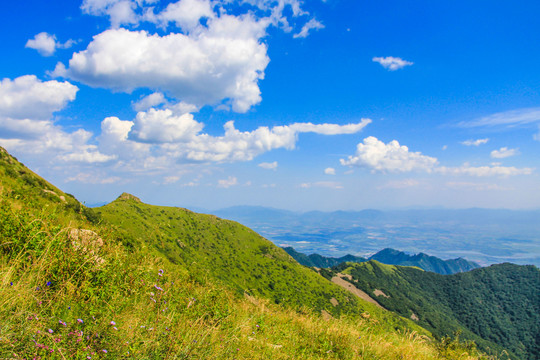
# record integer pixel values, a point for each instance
(73, 286)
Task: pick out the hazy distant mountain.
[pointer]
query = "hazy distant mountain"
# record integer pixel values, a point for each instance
(390, 257)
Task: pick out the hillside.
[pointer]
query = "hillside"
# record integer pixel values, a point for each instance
(75, 288)
(497, 306)
(390, 257)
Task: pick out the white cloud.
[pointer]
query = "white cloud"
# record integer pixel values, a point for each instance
(504, 152)
(226, 183)
(149, 101)
(224, 62)
(235, 145)
(160, 126)
(269, 166)
(119, 11)
(482, 171)
(27, 97)
(377, 156)
(186, 14)
(330, 171)
(392, 63)
(310, 25)
(46, 44)
(476, 142)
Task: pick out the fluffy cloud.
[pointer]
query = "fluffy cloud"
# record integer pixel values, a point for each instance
(377, 156)
(27, 97)
(154, 99)
(46, 44)
(476, 142)
(26, 108)
(392, 63)
(269, 166)
(185, 14)
(224, 62)
(391, 157)
(504, 152)
(160, 126)
(330, 171)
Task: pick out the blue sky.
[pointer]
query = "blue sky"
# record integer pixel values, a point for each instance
(336, 104)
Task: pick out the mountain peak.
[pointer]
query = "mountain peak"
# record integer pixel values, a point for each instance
(126, 196)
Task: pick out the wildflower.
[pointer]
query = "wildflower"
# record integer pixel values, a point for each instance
(48, 283)
(113, 323)
(80, 321)
(51, 331)
(61, 322)
(157, 287)
(105, 351)
(115, 328)
(11, 283)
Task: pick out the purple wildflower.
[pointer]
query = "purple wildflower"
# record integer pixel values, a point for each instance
(48, 283)
(51, 331)
(113, 323)
(80, 321)
(105, 351)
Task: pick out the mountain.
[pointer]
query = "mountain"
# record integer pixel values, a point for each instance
(425, 262)
(498, 306)
(391, 257)
(316, 260)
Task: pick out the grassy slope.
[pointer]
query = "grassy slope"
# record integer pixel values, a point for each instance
(60, 301)
(235, 255)
(498, 306)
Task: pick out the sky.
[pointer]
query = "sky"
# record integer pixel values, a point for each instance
(301, 105)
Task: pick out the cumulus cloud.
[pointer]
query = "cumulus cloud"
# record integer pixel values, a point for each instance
(504, 152)
(476, 142)
(269, 166)
(377, 156)
(225, 62)
(392, 63)
(330, 171)
(46, 44)
(160, 126)
(27, 97)
(152, 100)
(310, 25)
(185, 14)
(226, 183)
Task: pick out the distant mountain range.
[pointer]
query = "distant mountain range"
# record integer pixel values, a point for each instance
(390, 257)
(485, 236)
